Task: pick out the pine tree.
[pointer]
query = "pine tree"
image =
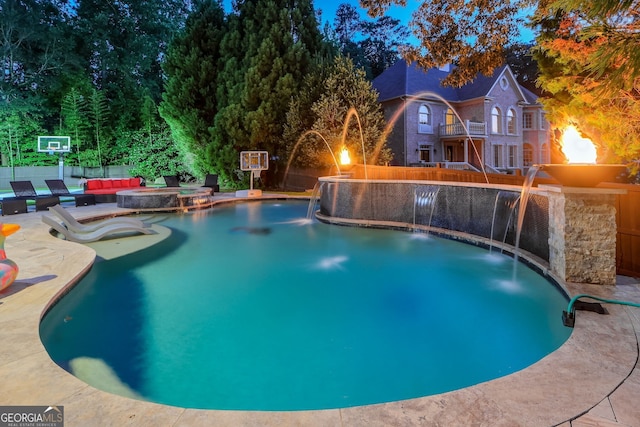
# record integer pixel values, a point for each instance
(74, 120)
(373, 45)
(98, 115)
(190, 101)
(348, 103)
(278, 39)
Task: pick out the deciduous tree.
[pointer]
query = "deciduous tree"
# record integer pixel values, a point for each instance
(588, 52)
(598, 93)
(469, 33)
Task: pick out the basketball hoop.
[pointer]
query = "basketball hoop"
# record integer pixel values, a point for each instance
(256, 162)
(55, 144)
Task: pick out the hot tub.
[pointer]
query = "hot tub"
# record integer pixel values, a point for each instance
(165, 198)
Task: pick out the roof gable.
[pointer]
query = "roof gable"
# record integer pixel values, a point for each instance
(506, 73)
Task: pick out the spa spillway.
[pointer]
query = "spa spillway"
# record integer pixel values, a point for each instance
(169, 198)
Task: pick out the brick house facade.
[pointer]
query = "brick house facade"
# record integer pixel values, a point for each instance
(431, 121)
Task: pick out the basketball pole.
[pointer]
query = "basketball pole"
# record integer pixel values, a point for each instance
(61, 166)
(253, 162)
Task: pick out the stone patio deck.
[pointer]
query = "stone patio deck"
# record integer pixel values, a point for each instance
(592, 380)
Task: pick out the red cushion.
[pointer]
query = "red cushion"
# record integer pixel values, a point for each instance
(107, 183)
(101, 191)
(117, 183)
(94, 184)
(134, 182)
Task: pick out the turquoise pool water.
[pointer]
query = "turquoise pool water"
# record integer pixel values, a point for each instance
(248, 307)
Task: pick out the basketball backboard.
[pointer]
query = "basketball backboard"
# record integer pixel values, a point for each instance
(254, 160)
(54, 144)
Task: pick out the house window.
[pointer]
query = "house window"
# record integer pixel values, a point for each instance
(450, 117)
(542, 121)
(497, 156)
(527, 120)
(511, 121)
(496, 120)
(527, 155)
(513, 156)
(424, 119)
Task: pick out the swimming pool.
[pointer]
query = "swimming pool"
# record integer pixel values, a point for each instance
(248, 307)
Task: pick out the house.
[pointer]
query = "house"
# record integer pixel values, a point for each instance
(492, 122)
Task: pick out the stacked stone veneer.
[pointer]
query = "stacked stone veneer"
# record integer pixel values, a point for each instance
(582, 236)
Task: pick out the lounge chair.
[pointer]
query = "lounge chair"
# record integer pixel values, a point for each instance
(172, 180)
(24, 191)
(74, 225)
(109, 230)
(59, 188)
(12, 206)
(211, 181)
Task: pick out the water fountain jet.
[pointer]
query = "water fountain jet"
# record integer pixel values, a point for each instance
(424, 197)
(350, 114)
(295, 147)
(510, 201)
(423, 95)
(353, 113)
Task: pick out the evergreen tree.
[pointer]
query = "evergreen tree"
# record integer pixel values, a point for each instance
(190, 101)
(346, 25)
(346, 114)
(99, 113)
(383, 39)
(373, 45)
(519, 56)
(278, 40)
(74, 121)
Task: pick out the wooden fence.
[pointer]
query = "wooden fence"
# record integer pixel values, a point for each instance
(628, 236)
(627, 205)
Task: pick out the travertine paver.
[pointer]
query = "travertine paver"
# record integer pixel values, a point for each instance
(576, 379)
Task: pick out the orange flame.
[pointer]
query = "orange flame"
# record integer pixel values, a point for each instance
(576, 148)
(345, 159)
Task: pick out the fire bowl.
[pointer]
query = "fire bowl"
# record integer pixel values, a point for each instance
(584, 175)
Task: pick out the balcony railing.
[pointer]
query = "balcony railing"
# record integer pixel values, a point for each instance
(461, 166)
(456, 129)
